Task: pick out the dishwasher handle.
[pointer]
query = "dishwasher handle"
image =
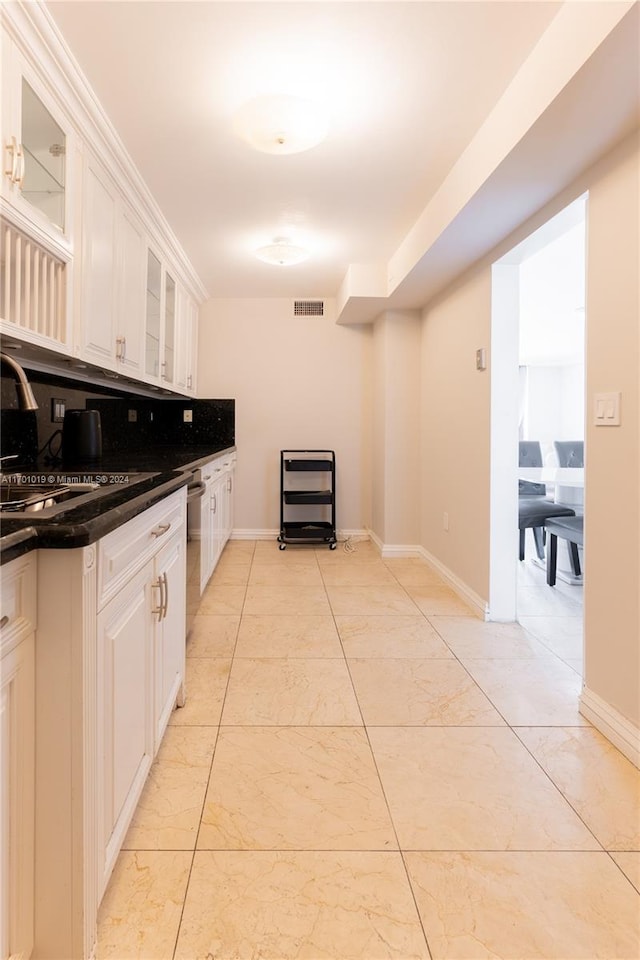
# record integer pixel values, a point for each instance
(195, 490)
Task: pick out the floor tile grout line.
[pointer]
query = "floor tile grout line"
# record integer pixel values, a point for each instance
(206, 790)
(557, 786)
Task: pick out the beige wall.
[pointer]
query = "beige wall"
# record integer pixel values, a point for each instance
(396, 428)
(301, 382)
(455, 440)
(455, 418)
(612, 620)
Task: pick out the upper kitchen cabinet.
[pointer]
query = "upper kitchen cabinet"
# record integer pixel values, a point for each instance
(111, 275)
(163, 348)
(187, 341)
(38, 154)
(153, 319)
(90, 269)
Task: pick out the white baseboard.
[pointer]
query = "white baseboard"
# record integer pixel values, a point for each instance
(611, 724)
(390, 551)
(396, 550)
(465, 592)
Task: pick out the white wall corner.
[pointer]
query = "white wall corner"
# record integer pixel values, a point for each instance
(611, 724)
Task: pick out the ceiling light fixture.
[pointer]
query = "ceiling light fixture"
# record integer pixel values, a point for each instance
(281, 124)
(282, 253)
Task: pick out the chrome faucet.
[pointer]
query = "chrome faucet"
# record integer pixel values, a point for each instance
(26, 399)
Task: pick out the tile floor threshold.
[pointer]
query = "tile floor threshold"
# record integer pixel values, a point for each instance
(363, 769)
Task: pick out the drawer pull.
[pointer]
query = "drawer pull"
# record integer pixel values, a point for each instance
(4, 622)
(161, 529)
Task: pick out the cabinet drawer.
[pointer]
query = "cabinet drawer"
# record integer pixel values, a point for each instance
(125, 550)
(17, 601)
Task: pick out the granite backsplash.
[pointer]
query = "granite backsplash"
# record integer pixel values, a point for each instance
(129, 421)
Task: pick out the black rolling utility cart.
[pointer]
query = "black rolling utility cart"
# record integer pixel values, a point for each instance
(307, 497)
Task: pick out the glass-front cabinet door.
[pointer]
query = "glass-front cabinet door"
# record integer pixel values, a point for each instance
(43, 163)
(153, 324)
(37, 143)
(169, 352)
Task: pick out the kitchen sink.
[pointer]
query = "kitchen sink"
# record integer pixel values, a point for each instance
(18, 496)
(29, 497)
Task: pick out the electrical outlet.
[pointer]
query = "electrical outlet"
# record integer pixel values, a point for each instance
(132, 416)
(187, 416)
(58, 408)
(445, 522)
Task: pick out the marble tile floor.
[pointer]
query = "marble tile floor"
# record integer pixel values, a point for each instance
(365, 770)
(553, 615)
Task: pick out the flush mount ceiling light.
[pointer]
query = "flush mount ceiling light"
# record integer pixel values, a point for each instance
(281, 124)
(282, 253)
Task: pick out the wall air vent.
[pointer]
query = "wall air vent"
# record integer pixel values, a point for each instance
(308, 308)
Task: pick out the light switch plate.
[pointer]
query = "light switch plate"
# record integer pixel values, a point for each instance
(606, 409)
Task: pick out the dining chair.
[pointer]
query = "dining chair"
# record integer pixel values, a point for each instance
(533, 507)
(570, 453)
(530, 455)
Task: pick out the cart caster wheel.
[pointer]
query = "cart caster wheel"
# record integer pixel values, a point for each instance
(332, 546)
(282, 546)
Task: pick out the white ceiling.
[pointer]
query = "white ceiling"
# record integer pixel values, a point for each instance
(407, 85)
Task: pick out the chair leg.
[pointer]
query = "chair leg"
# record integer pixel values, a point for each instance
(552, 559)
(575, 558)
(537, 536)
(522, 544)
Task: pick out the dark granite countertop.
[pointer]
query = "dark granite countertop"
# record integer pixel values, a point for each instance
(144, 478)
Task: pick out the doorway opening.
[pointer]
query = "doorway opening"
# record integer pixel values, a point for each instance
(538, 326)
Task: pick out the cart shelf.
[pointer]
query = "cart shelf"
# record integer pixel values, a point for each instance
(308, 496)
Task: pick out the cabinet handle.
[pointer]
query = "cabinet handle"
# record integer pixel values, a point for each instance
(12, 148)
(214, 503)
(4, 621)
(229, 484)
(189, 380)
(160, 530)
(166, 596)
(21, 166)
(158, 584)
(121, 348)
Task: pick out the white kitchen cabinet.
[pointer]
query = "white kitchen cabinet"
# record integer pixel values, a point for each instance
(141, 660)
(228, 498)
(125, 705)
(168, 364)
(169, 580)
(216, 513)
(187, 341)
(17, 756)
(109, 668)
(160, 322)
(37, 145)
(131, 265)
(111, 278)
(97, 295)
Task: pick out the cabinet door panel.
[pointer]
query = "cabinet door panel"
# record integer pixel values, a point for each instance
(125, 690)
(98, 266)
(170, 632)
(131, 309)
